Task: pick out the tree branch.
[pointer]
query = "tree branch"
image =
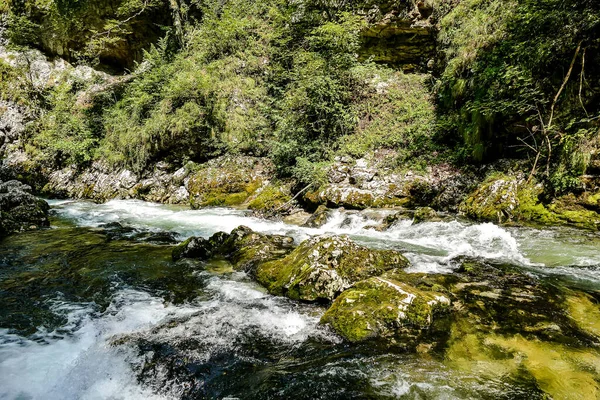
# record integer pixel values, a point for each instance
(562, 87)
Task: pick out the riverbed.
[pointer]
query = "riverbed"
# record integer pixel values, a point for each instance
(94, 308)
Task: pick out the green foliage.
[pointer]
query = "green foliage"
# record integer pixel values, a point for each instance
(505, 64)
(199, 102)
(14, 85)
(395, 112)
(63, 135)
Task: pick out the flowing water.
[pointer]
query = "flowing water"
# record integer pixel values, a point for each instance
(94, 310)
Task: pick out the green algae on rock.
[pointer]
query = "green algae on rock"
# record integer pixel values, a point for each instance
(505, 199)
(384, 308)
(228, 181)
(323, 267)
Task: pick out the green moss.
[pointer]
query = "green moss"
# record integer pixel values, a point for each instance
(180, 248)
(224, 199)
(322, 267)
(246, 250)
(504, 198)
(384, 308)
(270, 198)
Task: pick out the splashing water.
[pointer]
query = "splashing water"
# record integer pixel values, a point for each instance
(117, 331)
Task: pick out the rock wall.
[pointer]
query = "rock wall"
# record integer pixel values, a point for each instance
(403, 37)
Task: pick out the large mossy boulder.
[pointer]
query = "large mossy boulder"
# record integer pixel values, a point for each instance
(227, 181)
(20, 210)
(323, 267)
(385, 309)
(479, 300)
(507, 199)
(243, 247)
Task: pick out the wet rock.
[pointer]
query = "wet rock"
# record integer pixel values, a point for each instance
(247, 249)
(243, 247)
(319, 217)
(425, 214)
(194, 247)
(323, 267)
(387, 309)
(19, 209)
(508, 322)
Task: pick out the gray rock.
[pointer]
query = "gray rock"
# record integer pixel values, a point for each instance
(19, 209)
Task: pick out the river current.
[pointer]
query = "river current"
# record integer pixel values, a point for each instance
(94, 310)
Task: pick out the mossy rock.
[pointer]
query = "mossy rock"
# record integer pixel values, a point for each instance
(385, 309)
(193, 247)
(20, 210)
(425, 214)
(352, 198)
(319, 217)
(270, 199)
(495, 200)
(247, 249)
(503, 199)
(243, 247)
(322, 267)
(226, 182)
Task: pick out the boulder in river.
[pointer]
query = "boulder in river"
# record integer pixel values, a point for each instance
(19, 209)
(319, 217)
(324, 266)
(384, 308)
(243, 247)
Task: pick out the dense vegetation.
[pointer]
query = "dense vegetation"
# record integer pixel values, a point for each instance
(282, 79)
(520, 78)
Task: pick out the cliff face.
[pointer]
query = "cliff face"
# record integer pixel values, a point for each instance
(112, 32)
(403, 36)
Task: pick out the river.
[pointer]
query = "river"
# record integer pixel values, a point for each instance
(94, 310)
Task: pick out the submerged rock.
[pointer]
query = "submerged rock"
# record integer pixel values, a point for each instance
(323, 267)
(20, 210)
(385, 309)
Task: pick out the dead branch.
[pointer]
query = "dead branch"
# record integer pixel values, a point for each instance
(562, 87)
(581, 82)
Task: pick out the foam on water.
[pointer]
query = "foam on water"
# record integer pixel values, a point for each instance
(430, 246)
(78, 361)
(239, 312)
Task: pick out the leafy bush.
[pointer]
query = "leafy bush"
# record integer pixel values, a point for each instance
(505, 64)
(63, 135)
(395, 112)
